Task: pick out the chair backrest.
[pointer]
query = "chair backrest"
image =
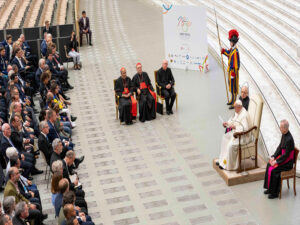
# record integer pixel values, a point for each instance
(255, 111)
(65, 47)
(114, 82)
(296, 152)
(155, 76)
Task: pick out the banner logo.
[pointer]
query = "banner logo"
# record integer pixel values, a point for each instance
(184, 24)
(167, 8)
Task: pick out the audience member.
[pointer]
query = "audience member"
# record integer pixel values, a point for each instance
(84, 26)
(73, 51)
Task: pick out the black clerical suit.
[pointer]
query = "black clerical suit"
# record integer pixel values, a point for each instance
(124, 103)
(165, 77)
(245, 102)
(147, 108)
(287, 143)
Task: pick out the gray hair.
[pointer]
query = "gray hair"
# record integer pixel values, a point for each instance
(247, 88)
(4, 126)
(20, 207)
(8, 203)
(285, 123)
(41, 61)
(55, 143)
(57, 166)
(11, 171)
(11, 151)
(11, 72)
(43, 124)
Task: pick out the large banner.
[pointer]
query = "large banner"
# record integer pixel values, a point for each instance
(185, 36)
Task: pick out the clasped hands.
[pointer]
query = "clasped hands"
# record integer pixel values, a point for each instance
(168, 86)
(272, 161)
(225, 124)
(126, 95)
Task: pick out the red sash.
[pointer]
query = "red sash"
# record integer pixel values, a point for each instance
(133, 103)
(289, 158)
(144, 86)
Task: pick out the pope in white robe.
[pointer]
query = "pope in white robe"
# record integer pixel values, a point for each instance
(229, 147)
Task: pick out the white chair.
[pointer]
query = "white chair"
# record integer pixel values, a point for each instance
(248, 150)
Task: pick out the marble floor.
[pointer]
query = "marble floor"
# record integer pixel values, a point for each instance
(158, 172)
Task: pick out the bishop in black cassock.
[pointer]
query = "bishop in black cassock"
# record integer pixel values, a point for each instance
(146, 94)
(282, 160)
(127, 104)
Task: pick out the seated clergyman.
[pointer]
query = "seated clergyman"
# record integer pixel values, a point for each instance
(166, 80)
(127, 103)
(229, 146)
(147, 97)
(244, 97)
(282, 160)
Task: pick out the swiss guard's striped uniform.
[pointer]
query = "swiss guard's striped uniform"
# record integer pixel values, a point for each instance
(233, 71)
(233, 65)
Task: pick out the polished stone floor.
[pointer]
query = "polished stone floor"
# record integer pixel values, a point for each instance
(158, 172)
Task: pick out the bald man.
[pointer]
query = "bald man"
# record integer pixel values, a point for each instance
(147, 97)
(127, 103)
(281, 160)
(166, 80)
(238, 123)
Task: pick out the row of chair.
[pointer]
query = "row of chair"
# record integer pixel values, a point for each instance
(33, 13)
(159, 95)
(62, 12)
(18, 14)
(47, 14)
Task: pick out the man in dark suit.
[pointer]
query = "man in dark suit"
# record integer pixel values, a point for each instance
(24, 69)
(8, 47)
(166, 80)
(20, 62)
(39, 71)
(60, 75)
(21, 214)
(44, 45)
(11, 189)
(43, 142)
(18, 138)
(53, 133)
(58, 65)
(26, 158)
(84, 25)
(67, 163)
(3, 62)
(27, 51)
(47, 28)
(58, 151)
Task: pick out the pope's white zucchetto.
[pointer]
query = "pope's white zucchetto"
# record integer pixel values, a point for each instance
(239, 102)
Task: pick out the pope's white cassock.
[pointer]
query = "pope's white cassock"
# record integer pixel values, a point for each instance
(229, 146)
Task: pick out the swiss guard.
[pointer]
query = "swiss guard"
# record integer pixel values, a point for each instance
(233, 66)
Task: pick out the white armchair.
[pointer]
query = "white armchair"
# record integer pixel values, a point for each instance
(246, 151)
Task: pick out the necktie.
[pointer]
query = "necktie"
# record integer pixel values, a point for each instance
(20, 61)
(10, 142)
